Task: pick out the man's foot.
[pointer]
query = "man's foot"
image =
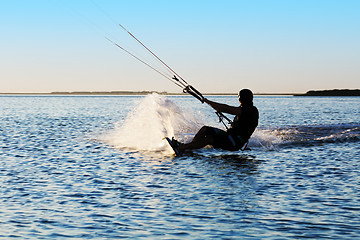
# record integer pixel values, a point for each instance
(174, 145)
(175, 142)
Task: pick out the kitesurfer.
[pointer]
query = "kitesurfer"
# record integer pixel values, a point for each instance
(243, 126)
(235, 138)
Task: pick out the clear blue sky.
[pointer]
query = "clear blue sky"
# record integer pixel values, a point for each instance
(217, 46)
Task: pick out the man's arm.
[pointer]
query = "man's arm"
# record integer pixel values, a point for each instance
(220, 107)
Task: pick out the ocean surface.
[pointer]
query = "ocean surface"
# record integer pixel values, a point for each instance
(96, 167)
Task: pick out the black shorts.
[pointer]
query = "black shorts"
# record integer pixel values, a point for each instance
(224, 140)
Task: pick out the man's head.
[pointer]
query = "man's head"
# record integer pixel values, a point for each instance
(246, 97)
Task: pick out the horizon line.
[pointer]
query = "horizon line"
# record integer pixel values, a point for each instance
(145, 92)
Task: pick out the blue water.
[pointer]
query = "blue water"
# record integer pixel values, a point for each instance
(71, 168)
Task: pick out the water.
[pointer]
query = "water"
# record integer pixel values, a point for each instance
(71, 168)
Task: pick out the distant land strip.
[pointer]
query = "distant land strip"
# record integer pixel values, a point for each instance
(334, 92)
(130, 93)
(100, 93)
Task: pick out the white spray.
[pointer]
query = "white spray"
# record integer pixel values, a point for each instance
(154, 118)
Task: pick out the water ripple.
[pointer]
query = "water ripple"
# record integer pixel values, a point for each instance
(58, 182)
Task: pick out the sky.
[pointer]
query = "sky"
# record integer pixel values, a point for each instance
(222, 46)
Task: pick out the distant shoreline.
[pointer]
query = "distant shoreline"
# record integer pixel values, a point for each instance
(125, 93)
(334, 92)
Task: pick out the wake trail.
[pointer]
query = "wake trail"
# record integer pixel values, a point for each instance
(305, 135)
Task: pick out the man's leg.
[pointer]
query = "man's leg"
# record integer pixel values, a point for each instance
(201, 139)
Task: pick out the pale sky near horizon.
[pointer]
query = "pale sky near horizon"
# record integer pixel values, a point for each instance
(271, 46)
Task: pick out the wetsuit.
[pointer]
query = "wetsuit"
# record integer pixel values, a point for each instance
(240, 131)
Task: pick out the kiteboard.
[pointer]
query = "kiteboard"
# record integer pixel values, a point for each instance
(177, 153)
